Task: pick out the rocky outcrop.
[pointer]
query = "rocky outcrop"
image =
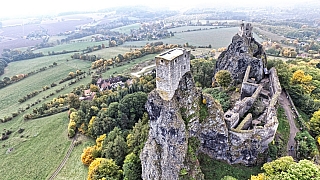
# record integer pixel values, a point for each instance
(165, 151)
(191, 121)
(243, 51)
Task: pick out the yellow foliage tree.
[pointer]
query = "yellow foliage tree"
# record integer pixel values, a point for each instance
(100, 140)
(94, 88)
(91, 123)
(105, 169)
(86, 156)
(223, 78)
(260, 176)
(299, 77)
(71, 130)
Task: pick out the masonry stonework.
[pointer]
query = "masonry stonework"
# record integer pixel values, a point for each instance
(171, 66)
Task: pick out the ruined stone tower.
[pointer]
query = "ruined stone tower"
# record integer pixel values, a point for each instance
(245, 30)
(171, 66)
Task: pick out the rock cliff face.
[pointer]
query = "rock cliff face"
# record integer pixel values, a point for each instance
(172, 123)
(244, 50)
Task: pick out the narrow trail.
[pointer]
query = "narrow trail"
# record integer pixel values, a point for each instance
(285, 103)
(63, 162)
(142, 70)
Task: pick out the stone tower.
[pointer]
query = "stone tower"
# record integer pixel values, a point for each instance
(171, 66)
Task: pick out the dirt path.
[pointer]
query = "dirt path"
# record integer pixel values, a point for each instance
(63, 162)
(285, 103)
(142, 70)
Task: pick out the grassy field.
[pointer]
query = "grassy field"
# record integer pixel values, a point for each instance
(71, 46)
(44, 142)
(185, 28)
(74, 169)
(125, 69)
(213, 169)
(126, 29)
(108, 53)
(12, 93)
(216, 37)
(37, 153)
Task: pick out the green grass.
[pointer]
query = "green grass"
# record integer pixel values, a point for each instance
(86, 38)
(108, 53)
(125, 69)
(283, 130)
(284, 127)
(216, 37)
(185, 28)
(36, 156)
(213, 169)
(74, 169)
(71, 46)
(12, 93)
(126, 29)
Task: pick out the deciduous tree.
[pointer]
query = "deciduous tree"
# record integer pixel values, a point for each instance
(223, 78)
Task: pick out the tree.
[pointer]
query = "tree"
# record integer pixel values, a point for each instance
(87, 155)
(73, 101)
(300, 78)
(202, 71)
(286, 168)
(132, 167)
(102, 168)
(131, 109)
(228, 178)
(315, 123)
(94, 88)
(114, 146)
(139, 135)
(223, 78)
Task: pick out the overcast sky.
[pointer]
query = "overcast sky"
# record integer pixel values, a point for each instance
(13, 8)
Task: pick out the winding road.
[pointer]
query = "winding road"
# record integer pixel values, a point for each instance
(285, 103)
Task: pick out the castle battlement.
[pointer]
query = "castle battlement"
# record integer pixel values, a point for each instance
(171, 66)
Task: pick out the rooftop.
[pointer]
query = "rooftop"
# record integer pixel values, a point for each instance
(171, 54)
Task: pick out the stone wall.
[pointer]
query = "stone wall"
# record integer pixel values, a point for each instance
(170, 67)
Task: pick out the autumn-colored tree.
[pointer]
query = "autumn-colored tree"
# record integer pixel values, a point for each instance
(228, 178)
(72, 74)
(87, 155)
(260, 176)
(223, 78)
(102, 168)
(71, 128)
(315, 123)
(300, 78)
(287, 168)
(99, 140)
(94, 88)
(73, 101)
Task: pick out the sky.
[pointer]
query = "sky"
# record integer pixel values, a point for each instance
(15, 8)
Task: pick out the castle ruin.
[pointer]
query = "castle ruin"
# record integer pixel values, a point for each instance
(171, 66)
(237, 136)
